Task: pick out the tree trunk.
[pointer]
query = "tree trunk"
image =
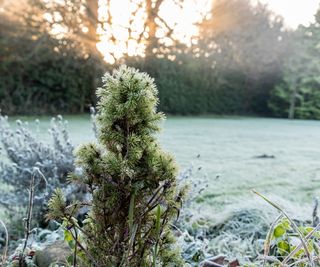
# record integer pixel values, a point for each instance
(93, 19)
(92, 7)
(152, 12)
(292, 103)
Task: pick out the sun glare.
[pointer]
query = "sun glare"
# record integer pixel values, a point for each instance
(182, 18)
(116, 40)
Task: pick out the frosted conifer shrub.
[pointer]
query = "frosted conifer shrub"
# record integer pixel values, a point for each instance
(131, 180)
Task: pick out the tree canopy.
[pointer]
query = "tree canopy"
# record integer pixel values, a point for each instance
(242, 60)
(298, 95)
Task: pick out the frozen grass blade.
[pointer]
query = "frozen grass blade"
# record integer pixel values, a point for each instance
(131, 211)
(132, 229)
(294, 226)
(308, 236)
(268, 239)
(158, 229)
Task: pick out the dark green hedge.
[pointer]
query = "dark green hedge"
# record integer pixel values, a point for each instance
(45, 75)
(191, 86)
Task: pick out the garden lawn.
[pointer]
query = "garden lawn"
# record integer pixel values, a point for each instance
(229, 150)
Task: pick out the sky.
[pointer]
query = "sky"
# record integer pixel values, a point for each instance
(295, 12)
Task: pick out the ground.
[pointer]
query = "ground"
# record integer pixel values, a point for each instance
(228, 149)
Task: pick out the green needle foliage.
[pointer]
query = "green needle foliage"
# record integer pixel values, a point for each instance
(131, 180)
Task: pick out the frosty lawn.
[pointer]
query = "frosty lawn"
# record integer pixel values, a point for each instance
(229, 151)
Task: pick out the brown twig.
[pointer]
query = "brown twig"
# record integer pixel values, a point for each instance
(28, 220)
(5, 250)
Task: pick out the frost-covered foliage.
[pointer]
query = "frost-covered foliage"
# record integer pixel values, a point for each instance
(240, 234)
(132, 181)
(196, 182)
(194, 247)
(26, 155)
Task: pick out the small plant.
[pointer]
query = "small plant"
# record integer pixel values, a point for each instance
(24, 154)
(290, 244)
(24, 255)
(132, 182)
(197, 183)
(192, 233)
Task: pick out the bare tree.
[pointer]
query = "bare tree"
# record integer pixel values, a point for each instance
(87, 21)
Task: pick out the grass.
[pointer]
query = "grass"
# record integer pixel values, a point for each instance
(228, 147)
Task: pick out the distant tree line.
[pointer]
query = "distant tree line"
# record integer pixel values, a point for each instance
(298, 93)
(242, 61)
